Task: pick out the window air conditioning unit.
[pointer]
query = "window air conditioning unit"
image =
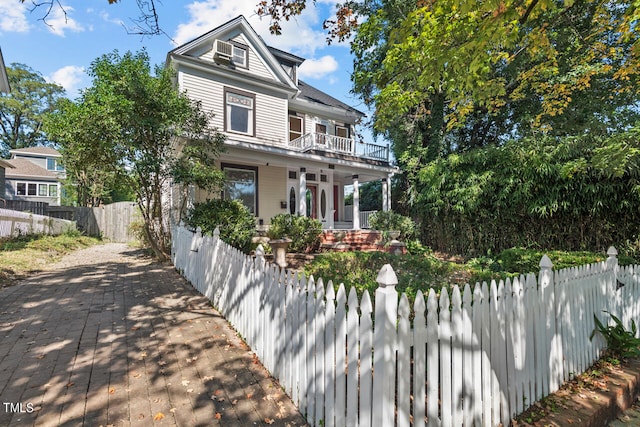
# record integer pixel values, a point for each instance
(222, 50)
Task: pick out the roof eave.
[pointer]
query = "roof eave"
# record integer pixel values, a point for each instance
(327, 110)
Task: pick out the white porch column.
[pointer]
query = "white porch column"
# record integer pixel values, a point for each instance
(302, 205)
(385, 195)
(356, 203)
(388, 181)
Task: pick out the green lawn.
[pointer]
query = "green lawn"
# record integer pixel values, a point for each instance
(27, 254)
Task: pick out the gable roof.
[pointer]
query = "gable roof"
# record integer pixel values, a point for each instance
(232, 27)
(23, 168)
(310, 93)
(5, 164)
(4, 79)
(42, 151)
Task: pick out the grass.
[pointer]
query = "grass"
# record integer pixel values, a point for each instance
(28, 254)
(424, 270)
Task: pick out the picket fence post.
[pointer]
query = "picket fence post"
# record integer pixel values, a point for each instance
(384, 340)
(613, 296)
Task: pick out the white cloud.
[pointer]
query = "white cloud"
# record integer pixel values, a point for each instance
(302, 35)
(318, 68)
(13, 16)
(59, 22)
(71, 78)
(107, 18)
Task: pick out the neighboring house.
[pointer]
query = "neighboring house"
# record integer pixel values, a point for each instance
(4, 164)
(36, 175)
(290, 147)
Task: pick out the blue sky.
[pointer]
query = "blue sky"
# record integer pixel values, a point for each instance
(61, 50)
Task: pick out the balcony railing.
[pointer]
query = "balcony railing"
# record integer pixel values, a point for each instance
(340, 145)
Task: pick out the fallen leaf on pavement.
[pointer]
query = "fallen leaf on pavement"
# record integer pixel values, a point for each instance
(158, 416)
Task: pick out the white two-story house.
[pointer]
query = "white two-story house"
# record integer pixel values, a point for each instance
(290, 147)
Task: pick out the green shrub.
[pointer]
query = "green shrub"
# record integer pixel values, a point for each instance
(620, 342)
(236, 224)
(574, 193)
(386, 221)
(304, 232)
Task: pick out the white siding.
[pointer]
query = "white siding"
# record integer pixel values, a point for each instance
(270, 110)
(272, 189)
(256, 65)
(311, 120)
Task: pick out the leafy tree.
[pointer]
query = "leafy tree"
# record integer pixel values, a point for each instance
(86, 131)
(23, 109)
(371, 196)
(150, 129)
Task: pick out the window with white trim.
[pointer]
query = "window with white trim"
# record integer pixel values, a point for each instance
(54, 165)
(239, 56)
(36, 189)
(342, 131)
(240, 112)
(296, 126)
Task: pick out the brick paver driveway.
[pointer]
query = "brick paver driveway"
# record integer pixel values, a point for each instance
(109, 338)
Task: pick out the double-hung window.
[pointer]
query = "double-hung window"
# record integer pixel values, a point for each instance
(239, 57)
(239, 112)
(241, 183)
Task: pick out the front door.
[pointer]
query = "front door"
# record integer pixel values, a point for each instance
(312, 204)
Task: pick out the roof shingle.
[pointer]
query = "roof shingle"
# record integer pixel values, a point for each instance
(24, 168)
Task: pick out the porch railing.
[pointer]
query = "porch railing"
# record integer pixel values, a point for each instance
(337, 144)
(364, 216)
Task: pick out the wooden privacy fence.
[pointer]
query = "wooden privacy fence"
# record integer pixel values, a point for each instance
(472, 356)
(110, 222)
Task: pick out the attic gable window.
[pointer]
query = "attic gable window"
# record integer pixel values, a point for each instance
(239, 57)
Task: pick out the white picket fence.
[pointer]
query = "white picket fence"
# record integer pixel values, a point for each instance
(475, 356)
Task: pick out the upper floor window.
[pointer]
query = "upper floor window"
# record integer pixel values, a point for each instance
(342, 131)
(295, 126)
(239, 112)
(239, 56)
(54, 164)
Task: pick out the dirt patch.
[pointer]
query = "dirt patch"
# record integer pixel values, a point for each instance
(590, 399)
(442, 256)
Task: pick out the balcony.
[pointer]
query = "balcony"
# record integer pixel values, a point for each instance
(339, 145)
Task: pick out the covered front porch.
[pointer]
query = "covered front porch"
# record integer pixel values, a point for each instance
(326, 201)
(272, 180)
